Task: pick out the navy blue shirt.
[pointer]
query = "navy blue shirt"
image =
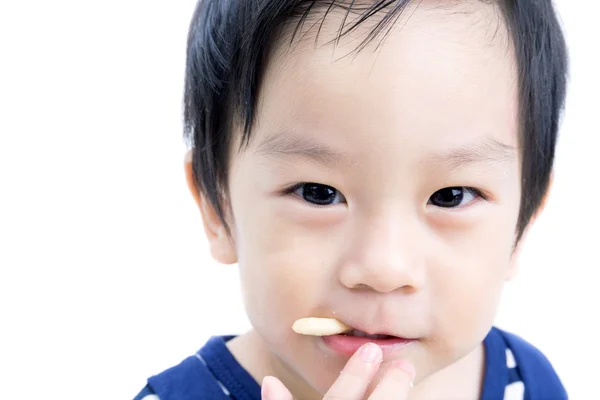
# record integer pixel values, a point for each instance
(514, 369)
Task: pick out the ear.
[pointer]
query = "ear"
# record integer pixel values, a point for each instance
(514, 266)
(222, 246)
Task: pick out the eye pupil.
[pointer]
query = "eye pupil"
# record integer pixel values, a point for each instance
(448, 197)
(318, 194)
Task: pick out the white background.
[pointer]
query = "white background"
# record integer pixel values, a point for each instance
(105, 277)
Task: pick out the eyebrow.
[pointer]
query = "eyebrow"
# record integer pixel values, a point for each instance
(284, 145)
(488, 151)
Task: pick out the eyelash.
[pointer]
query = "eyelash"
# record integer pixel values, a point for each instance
(290, 191)
(293, 188)
(476, 193)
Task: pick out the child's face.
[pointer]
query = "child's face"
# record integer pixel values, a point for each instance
(386, 131)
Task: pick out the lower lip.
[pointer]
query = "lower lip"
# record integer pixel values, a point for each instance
(348, 345)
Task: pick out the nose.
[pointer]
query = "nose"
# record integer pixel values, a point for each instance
(383, 255)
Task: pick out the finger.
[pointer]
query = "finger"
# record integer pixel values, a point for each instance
(357, 374)
(396, 382)
(273, 389)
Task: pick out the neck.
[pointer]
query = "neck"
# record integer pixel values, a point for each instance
(253, 354)
(461, 380)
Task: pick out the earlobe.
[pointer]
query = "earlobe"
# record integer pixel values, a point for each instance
(189, 177)
(222, 246)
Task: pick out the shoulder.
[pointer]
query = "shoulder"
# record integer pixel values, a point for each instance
(540, 379)
(190, 379)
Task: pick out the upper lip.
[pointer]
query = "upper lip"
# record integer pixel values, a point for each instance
(373, 329)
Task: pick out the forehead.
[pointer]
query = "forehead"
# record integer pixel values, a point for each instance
(445, 73)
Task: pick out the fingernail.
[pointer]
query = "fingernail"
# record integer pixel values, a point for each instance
(406, 367)
(370, 353)
(266, 391)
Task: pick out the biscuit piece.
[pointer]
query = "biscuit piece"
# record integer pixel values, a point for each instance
(320, 326)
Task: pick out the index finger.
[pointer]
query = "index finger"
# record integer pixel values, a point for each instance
(396, 382)
(357, 374)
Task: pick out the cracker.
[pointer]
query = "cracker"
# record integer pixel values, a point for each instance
(320, 326)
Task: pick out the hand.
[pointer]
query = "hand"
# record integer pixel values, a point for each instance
(354, 380)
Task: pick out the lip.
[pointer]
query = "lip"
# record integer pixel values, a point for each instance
(348, 345)
(372, 329)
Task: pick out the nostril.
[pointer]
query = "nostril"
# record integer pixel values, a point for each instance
(362, 277)
(361, 286)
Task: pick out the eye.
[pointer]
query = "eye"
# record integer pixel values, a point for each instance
(453, 197)
(321, 195)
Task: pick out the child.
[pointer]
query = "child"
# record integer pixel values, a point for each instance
(376, 163)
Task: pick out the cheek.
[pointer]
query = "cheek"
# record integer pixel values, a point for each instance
(283, 269)
(467, 283)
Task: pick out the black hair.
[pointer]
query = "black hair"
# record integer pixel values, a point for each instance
(229, 42)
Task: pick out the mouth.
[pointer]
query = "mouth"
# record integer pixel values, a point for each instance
(361, 334)
(347, 343)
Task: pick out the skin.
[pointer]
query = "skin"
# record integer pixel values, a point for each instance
(355, 378)
(434, 107)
